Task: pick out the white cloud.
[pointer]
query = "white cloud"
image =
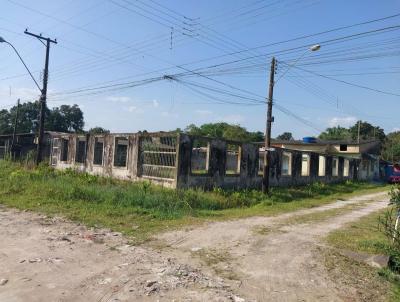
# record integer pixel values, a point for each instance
(134, 109)
(232, 119)
(342, 121)
(118, 99)
(25, 94)
(395, 129)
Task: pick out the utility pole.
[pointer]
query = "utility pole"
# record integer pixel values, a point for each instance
(43, 96)
(267, 146)
(359, 129)
(15, 129)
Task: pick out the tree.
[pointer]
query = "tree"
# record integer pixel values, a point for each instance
(335, 133)
(98, 130)
(63, 119)
(367, 131)
(285, 136)
(28, 117)
(391, 147)
(70, 119)
(225, 131)
(5, 122)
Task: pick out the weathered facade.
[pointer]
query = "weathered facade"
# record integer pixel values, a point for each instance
(184, 161)
(24, 144)
(367, 151)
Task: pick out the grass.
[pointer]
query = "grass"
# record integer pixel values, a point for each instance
(141, 209)
(363, 236)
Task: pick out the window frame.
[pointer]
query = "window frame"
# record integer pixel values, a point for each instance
(335, 167)
(305, 155)
(346, 167)
(238, 157)
(197, 145)
(65, 143)
(289, 155)
(115, 152)
(94, 151)
(78, 143)
(319, 165)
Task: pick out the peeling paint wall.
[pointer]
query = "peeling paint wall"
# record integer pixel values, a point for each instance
(131, 171)
(249, 176)
(173, 153)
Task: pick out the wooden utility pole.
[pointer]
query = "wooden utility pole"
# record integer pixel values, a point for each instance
(267, 146)
(43, 97)
(15, 130)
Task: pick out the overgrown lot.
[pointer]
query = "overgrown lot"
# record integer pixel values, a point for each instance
(366, 237)
(140, 209)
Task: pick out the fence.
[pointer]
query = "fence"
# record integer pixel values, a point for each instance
(158, 156)
(4, 148)
(134, 156)
(184, 161)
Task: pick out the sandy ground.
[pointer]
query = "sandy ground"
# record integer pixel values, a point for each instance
(252, 259)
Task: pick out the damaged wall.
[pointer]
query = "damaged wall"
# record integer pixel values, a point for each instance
(184, 161)
(121, 156)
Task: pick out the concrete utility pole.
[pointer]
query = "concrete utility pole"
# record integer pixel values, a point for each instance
(43, 97)
(270, 119)
(15, 129)
(267, 146)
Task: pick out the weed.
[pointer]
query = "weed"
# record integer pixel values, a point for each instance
(117, 204)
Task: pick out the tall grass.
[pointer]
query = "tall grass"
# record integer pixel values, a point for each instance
(119, 204)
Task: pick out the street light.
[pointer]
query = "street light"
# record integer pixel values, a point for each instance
(2, 40)
(267, 146)
(315, 47)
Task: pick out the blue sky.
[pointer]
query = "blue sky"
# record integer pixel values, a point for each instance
(106, 42)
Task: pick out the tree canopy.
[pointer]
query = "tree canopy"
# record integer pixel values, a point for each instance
(335, 133)
(65, 118)
(98, 130)
(391, 147)
(367, 131)
(225, 131)
(285, 136)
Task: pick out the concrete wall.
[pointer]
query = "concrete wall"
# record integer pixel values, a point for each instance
(209, 166)
(23, 145)
(249, 176)
(131, 171)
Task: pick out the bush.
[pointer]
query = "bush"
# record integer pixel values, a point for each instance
(388, 226)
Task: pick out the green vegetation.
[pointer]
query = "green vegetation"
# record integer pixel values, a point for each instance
(362, 235)
(285, 136)
(141, 209)
(367, 131)
(65, 118)
(368, 235)
(391, 147)
(225, 131)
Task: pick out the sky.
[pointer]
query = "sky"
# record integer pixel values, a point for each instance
(158, 65)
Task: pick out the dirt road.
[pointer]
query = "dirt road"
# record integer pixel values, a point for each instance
(254, 259)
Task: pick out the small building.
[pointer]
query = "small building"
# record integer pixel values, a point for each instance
(186, 161)
(367, 151)
(25, 144)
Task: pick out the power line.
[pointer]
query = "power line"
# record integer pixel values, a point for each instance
(349, 83)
